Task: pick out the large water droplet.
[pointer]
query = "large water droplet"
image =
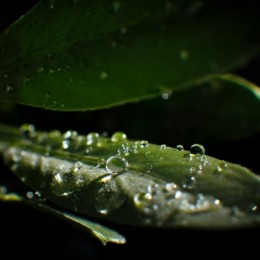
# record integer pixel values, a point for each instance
(63, 184)
(27, 131)
(118, 137)
(116, 165)
(92, 138)
(197, 149)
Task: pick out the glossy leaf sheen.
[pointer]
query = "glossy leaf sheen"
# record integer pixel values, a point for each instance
(104, 234)
(79, 55)
(133, 182)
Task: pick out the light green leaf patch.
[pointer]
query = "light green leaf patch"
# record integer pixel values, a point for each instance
(132, 182)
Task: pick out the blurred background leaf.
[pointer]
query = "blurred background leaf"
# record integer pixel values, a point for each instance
(78, 55)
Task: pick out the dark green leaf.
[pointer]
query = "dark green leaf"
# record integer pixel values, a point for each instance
(78, 55)
(132, 182)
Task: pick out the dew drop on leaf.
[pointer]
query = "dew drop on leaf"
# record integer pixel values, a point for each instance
(116, 165)
(103, 75)
(180, 147)
(163, 146)
(92, 138)
(197, 149)
(29, 195)
(184, 55)
(142, 200)
(118, 137)
(27, 131)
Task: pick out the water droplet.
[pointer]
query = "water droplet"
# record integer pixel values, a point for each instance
(116, 6)
(171, 187)
(163, 146)
(8, 88)
(3, 190)
(40, 70)
(106, 178)
(189, 183)
(78, 165)
(116, 165)
(52, 4)
(123, 30)
(29, 195)
(184, 55)
(92, 138)
(103, 75)
(219, 169)
(51, 71)
(197, 149)
(180, 147)
(165, 96)
(142, 200)
(5, 76)
(39, 197)
(27, 131)
(142, 144)
(118, 137)
(103, 211)
(65, 144)
(63, 183)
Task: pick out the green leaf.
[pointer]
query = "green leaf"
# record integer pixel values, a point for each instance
(79, 55)
(104, 234)
(132, 182)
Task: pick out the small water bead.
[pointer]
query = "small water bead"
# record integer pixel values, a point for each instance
(27, 131)
(184, 55)
(189, 183)
(92, 138)
(78, 165)
(103, 75)
(70, 135)
(142, 200)
(171, 187)
(65, 144)
(29, 195)
(116, 164)
(39, 197)
(163, 146)
(3, 190)
(180, 147)
(118, 137)
(116, 6)
(40, 70)
(197, 149)
(123, 30)
(142, 144)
